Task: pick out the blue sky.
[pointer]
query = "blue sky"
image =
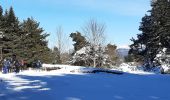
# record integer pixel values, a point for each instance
(121, 17)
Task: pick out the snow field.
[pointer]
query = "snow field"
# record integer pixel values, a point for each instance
(65, 85)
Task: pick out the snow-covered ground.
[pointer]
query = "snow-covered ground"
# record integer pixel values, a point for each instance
(65, 85)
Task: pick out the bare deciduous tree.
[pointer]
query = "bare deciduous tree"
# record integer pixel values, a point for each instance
(95, 35)
(95, 32)
(60, 45)
(63, 45)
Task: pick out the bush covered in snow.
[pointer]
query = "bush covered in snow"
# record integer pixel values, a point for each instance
(157, 69)
(164, 59)
(91, 55)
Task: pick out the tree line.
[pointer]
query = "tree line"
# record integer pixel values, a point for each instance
(90, 48)
(27, 40)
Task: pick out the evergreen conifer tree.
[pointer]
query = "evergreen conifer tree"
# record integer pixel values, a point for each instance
(155, 34)
(79, 40)
(34, 44)
(26, 40)
(10, 29)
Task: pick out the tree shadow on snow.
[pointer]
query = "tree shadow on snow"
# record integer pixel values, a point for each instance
(88, 87)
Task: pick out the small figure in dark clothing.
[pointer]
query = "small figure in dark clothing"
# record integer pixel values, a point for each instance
(34, 64)
(16, 64)
(38, 64)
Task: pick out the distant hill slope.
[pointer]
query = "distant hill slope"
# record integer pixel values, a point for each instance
(122, 52)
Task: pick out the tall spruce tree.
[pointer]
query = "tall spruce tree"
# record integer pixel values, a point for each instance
(11, 32)
(139, 48)
(1, 33)
(26, 40)
(1, 19)
(155, 34)
(34, 44)
(1, 13)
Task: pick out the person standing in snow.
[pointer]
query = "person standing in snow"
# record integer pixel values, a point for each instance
(15, 64)
(22, 64)
(6, 66)
(38, 64)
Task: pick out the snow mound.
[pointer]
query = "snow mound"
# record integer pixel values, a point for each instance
(134, 69)
(81, 69)
(163, 69)
(127, 68)
(166, 68)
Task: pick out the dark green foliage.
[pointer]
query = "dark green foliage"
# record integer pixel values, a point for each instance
(129, 58)
(11, 33)
(26, 40)
(79, 40)
(33, 45)
(1, 34)
(1, 12)
(111, 51)
(1, 18)
(140, 46)
(155, 34)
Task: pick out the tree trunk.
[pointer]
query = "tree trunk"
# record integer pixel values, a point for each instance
(94, 62)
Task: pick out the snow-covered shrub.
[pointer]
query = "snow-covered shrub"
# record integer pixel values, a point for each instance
(160, 64)
(91, 55)
(163, 59)
(133, 68)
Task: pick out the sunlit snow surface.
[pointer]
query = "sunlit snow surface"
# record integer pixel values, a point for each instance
(65, 85)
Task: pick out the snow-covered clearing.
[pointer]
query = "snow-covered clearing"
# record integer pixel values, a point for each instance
(64, 85)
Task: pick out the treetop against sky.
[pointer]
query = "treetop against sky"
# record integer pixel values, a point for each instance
(122, 17)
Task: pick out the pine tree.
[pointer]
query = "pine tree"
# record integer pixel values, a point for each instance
(11, 32)
(26, 40)
(79, 40)
(1, 32)
(1, 19)
(1, 12)
(34, 44)
(155, 34)
(141, 45)
(160, 27)
(161, 13)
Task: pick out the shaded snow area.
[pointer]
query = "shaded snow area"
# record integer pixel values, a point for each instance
(65, 85)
